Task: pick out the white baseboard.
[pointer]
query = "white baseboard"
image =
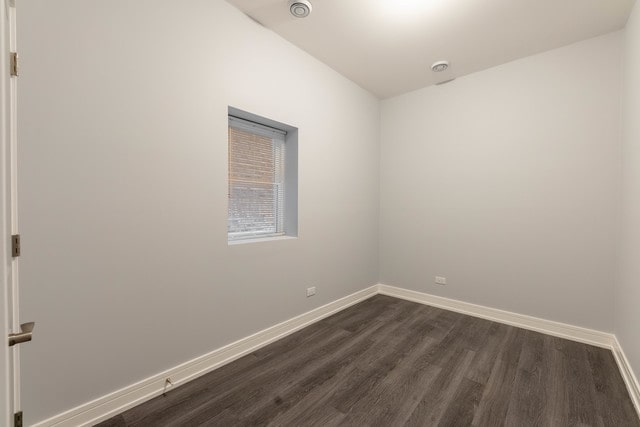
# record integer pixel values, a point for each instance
(627, 373)
(557, 329)
(114, 403)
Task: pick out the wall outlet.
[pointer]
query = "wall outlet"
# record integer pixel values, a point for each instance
(441, 280)
(311, 291)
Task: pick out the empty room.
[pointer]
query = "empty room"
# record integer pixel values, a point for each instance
(320, 213)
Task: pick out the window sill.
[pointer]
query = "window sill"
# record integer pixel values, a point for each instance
(259, 239)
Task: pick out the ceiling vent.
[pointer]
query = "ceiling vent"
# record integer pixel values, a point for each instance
(439, 66)
(300, 8)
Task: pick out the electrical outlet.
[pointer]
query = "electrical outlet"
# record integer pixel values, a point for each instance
(311, 291)
(441, 280)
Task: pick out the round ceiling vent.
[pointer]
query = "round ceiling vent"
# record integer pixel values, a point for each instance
(300, 8)
(440, 66)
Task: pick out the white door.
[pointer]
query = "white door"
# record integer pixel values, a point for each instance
(5, 361)
(9, 320)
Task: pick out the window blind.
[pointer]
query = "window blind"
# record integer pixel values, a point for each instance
(256, 180)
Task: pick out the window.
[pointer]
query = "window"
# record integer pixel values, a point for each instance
(260, 182)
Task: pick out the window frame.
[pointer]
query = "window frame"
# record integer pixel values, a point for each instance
(289, 185)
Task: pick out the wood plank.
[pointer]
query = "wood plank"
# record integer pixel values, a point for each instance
(579, 382)
(486, 356)
(529, 393)
(379, 387)
(613, 402)
(298, 414)
(437, 398)
(497, 393)
(462, 408)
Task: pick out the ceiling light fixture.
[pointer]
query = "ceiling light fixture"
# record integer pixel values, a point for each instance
(300, 8)
(439, 66)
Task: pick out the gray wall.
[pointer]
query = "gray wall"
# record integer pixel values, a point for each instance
(123, 189)
(627, 307)
(506, 182)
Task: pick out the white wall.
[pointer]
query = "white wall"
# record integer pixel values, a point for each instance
(123, 186)
(627, 304)
(506, 182)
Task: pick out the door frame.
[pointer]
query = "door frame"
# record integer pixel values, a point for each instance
(9, 356)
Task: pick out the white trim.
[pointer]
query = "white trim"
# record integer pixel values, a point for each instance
(14, 291)
(6, 365)
(114, 403)
(549, 327)
(629, 377)
(260, 239)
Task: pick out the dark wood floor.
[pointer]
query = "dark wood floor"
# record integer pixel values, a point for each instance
(389, 362)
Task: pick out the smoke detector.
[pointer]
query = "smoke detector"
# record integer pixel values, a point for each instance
(300, 8)
(439, 66)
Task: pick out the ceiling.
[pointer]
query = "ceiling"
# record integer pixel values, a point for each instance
(388, 46)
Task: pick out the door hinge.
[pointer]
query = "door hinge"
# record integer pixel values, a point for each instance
(14, 63)
(15, 245)
(17, 419)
